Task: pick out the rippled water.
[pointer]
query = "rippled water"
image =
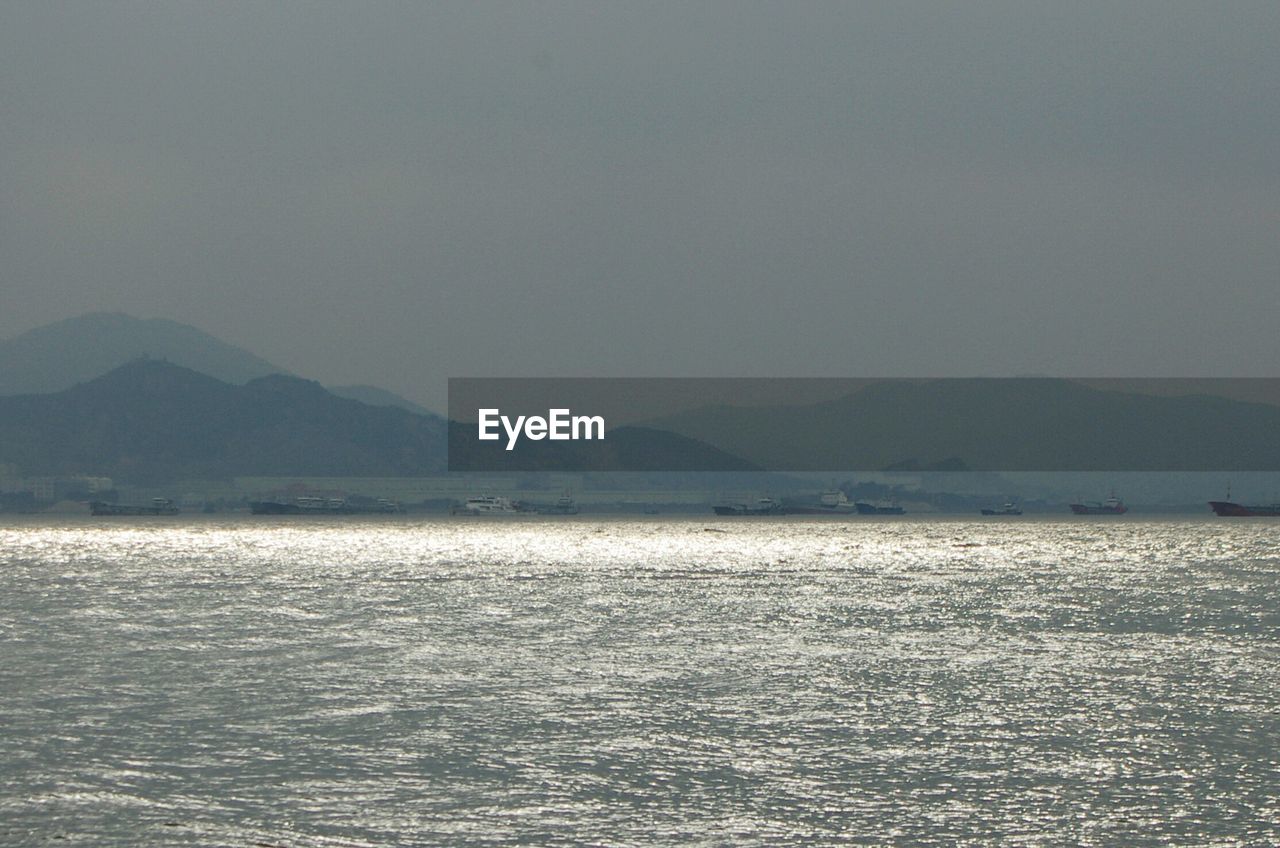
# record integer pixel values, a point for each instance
(565, 682)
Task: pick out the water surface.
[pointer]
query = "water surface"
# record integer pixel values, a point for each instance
(571, 681)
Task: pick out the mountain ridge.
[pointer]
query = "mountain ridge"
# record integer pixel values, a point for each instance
(57, 356)
(152, 421)
(64, 353)
(988, 424)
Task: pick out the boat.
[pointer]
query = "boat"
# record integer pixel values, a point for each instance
(1007, 508)
(1111, 506)
(881, 508)
(157, 506)
(323, 506)
(832, 502)
(762, 506)
(1231, 509)
(565, 505)
(488, 505)
(1236, 510)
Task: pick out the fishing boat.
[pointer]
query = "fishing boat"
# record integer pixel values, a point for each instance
(1007, 508)
(488, 505)
(157, 506)
(762, 506)
(1111, 506)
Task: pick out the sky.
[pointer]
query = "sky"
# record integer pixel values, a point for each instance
(397, 193)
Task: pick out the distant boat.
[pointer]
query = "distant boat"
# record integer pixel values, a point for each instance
(1231, 509)
(881, 508)
(488, 505)
(1235, 510)
(763, 506)
(157, 506)
(1008, 508)
(832, 502)
(1111, 506)
(323, 506)
(565, 505)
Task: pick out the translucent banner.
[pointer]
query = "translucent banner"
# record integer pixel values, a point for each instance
(822, 424)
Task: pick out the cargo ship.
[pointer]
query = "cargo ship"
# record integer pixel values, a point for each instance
(157, 506)
(1235, 510)
(882, 508)
(763, 506)
(323, 506)
(833, 502)
(1111, 506)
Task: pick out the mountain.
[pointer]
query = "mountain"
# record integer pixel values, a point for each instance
(58, 356)
(625, 449)
(995, 425)
(152, 421)
(374, 396)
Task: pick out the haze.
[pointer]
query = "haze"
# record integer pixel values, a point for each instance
(398, 193)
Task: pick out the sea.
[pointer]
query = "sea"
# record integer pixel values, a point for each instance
(566, 681)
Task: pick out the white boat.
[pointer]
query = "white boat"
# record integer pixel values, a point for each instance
(487, 505)
(832, 502)
(564, 505)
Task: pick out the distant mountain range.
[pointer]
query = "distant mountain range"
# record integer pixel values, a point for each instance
(57, 356)
(75, 397)
(375, 396)
(998, 425)
(152, 421)
(624, 449)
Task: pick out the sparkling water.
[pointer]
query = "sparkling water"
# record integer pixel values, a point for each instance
(694, 681)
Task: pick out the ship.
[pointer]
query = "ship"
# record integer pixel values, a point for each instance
(323, 506)
(564, 505)
(762, 506)
(832, 502)
(489, 505)
(881, 508)
(1007, 508)
(157, 506)
(1111, 506)
(1235, 510)
(1232, 509)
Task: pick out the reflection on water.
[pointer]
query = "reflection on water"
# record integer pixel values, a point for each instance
(562, 682)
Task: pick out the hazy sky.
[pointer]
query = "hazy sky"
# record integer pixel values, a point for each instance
(397, 193)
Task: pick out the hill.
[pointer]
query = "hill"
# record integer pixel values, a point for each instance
(995, 425)
(151, 421)
(374, 396)
(58, 356)
(624, 449)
